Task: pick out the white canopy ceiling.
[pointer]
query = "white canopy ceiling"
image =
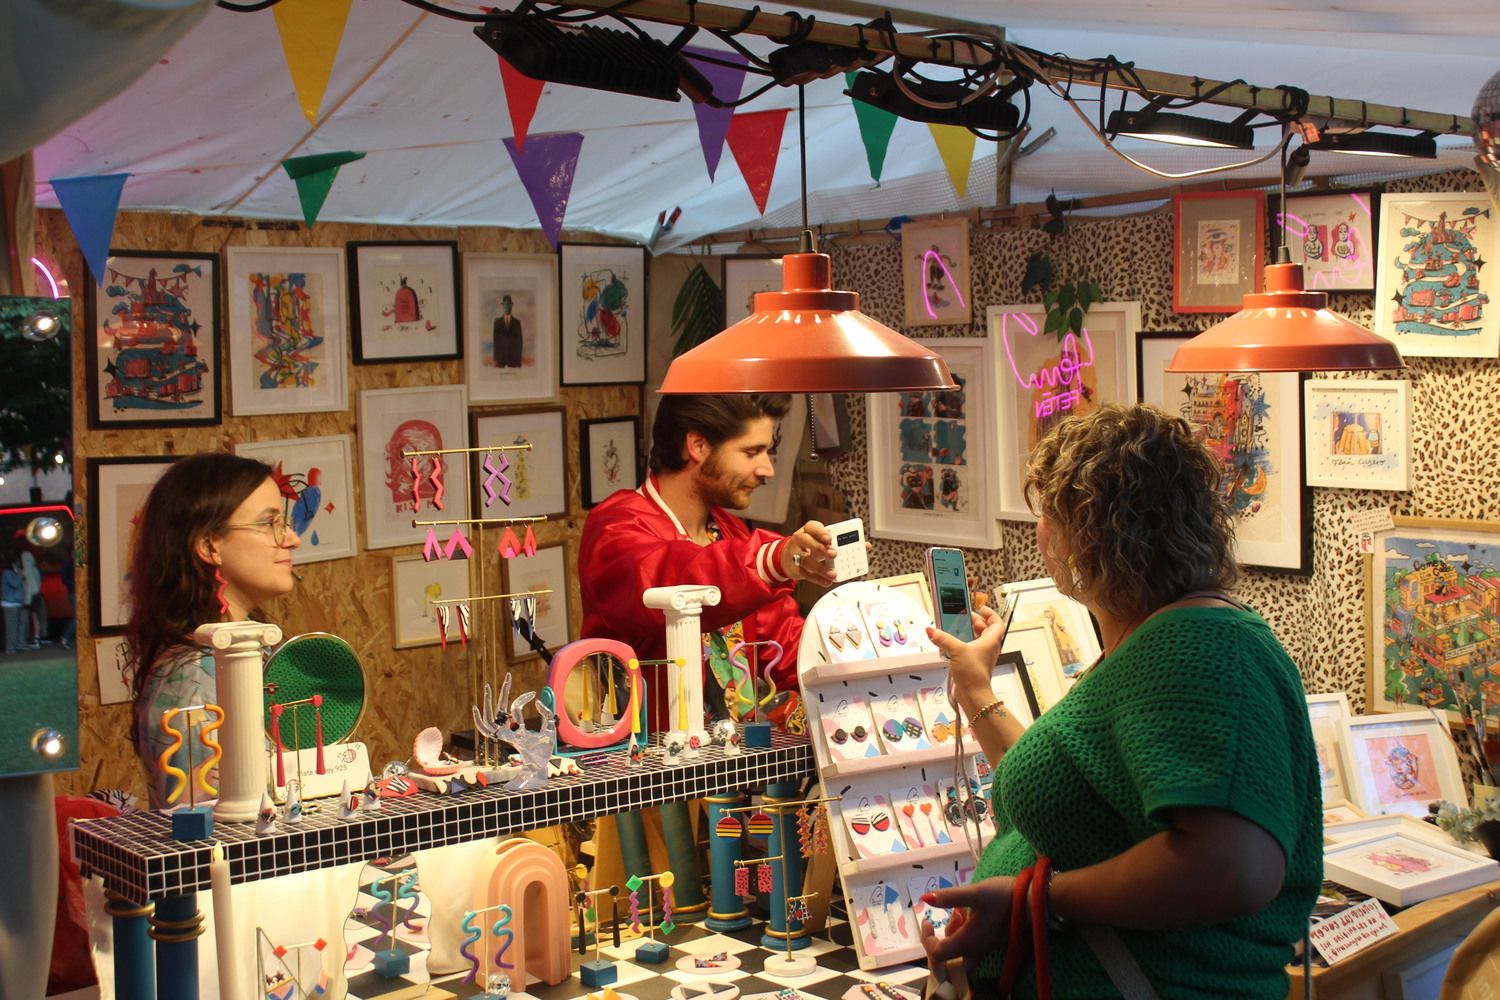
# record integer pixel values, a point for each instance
(204, 130)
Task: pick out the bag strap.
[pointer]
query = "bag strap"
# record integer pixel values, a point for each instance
(1119, 964)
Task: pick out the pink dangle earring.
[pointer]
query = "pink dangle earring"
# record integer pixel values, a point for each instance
(528, 544)
(219, 593)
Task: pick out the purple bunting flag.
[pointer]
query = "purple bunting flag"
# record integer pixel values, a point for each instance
(727, 81)
(547, 171)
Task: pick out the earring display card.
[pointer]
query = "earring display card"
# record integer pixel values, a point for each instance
(850, 730)
(873, 828)
(899, 723)
(843, 631)
(919, 817)
(897, 625)
(884, 918)
(938, 714)
(962, 805)
(920, 885)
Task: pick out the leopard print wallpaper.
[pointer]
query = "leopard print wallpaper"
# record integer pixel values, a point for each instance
(1320, 617)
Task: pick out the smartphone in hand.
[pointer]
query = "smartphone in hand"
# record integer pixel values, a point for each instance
(949, 580)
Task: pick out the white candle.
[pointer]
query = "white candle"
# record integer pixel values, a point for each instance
(231, 983)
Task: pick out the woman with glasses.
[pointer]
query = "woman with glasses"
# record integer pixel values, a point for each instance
(1175, 787)
(212, 543)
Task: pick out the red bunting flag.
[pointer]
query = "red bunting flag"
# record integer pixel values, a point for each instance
(521, 96)
(755, 140)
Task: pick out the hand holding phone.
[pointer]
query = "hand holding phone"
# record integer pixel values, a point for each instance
(949, 580)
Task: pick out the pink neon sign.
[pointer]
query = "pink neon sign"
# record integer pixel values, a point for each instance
(1346, 263)
(1061, 383)
(927, 259)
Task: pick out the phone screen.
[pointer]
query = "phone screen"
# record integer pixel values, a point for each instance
(950, 587)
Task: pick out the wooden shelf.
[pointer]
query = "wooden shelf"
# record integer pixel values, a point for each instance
(825, 673)
(885, 761)
(902, 859)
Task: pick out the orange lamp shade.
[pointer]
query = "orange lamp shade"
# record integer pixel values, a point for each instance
(808, 337)
(1285, 329)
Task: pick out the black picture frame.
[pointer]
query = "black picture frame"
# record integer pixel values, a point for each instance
(383, 268)
(594, 488)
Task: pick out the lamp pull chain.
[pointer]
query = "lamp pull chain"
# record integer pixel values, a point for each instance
(812, 429)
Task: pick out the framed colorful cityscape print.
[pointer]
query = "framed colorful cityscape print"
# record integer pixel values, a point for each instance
(1332, 236)
(152, 351)
(603, 313)
(1253, 422)
(403, 301)
(1218, 241)
(935, 272)
(316, 476)
(1432, 293)
(1358, 433)
(392, 424)
(117, 491)
(1042, 379)
(745, 276)
(926, 485)
(1432, 588)
(288, 330)
(510, 320)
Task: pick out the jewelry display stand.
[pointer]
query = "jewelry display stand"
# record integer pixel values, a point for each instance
(869, 766)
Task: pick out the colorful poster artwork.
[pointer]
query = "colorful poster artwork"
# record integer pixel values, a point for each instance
(1332, 237)
(406, 298)
(603, 319)
(1438, 292)
(1232, 414)
(285, 340)
(1438, 645)
(149, 336)
(1218, 252)
(933, 432)
(1402, 769)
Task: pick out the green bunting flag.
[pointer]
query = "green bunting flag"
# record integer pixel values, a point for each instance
(314, 176)
(875, 127)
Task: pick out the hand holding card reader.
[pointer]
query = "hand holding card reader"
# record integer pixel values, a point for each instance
(853, 560)
(949, 580)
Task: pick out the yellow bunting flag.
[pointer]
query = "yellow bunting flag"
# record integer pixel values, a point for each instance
(956, 146)
(310, 33)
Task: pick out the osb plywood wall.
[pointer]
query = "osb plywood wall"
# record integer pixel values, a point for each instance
(1320, 618)
(407, 689)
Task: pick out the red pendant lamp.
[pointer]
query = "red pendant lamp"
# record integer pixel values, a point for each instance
(808, 337)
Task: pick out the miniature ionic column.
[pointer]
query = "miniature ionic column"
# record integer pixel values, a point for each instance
(683, 606)
(239, 675)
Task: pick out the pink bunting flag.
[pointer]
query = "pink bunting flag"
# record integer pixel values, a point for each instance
(91, 204)
(547, 172)
(521, 96)
(755, 141)
(727, 82)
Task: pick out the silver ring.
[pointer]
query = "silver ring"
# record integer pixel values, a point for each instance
(796, 560)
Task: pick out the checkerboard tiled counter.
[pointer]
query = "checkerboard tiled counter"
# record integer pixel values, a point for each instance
(141, 864)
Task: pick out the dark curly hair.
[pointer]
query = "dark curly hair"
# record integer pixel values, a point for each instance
(717, 418)
(1135, 498)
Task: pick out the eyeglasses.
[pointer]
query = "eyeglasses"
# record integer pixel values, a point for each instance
(277, 525)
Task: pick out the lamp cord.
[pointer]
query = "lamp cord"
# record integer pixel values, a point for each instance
(802, 146)
(1286, 135)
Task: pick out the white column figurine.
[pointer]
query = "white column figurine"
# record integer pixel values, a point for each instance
(683, 607)
(239, 675)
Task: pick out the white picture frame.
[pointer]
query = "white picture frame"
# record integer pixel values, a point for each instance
(1401, 870)
(415, 584)
(769, 503)
(1033, 641)
(316, 476)
(1357, 433)
(1040, 379)
(745, 276)
(547, 570)
(392, 421)
(273, 369)
(539, 477)
(932, 479)
(1400, 763)
(530, 280)
(602, 308)
(1325, 712)
(1074, 635)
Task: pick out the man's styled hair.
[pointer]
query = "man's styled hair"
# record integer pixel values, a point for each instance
(717, 418)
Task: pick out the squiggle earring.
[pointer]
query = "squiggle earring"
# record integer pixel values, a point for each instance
(416, 484)
(432, 548)
(493, 472)
(223, 585)
(438, 489)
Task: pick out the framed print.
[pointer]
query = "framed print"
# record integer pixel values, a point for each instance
(415, 584)
(1325, 712)
(1400, 763)
(153, 347)
(1367, 827)
(935, 272)
(768, 505)
(830, 422)
(1401, 870)
(609, 456)
(316, 476)
(924, 486)
(393, 422)
(1340, 812)
(1432, 297)
(1218, 243)
(1358, 433)
(603, 313)
(1011, 682)
(1043, 379)
(1038, 650)
(1253, 422)
(1073, 631)
(403, 301)
(914, 586)
(117, 492)
(1332, 236)
(745, 276)
(510, 322)
(545, 574)
(287, 329)
(539, 477)
(1430, 589)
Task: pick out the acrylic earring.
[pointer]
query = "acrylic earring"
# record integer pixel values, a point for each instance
(763, 878)
(836, 636)
(528, 544)
(458, 542)
(853, 634)
(416, 484)
(463, 622)
(438, 489)
(223, 585)
(442, 617)
(509, 547)
(742, 881)
(431, 548)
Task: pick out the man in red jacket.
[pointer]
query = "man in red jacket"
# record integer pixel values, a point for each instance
(708, 454)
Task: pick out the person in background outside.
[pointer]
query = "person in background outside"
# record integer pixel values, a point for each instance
(34, 618)
(13, 600)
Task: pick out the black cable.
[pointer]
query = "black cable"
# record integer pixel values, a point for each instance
(802, 146)
(246, 8)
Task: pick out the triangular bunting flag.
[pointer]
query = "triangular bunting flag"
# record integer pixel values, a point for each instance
(310, 32)
(547, 171)
(755, 141)
(875, 127)
(91, 204)
(314, 176)
(956, 146)
(521, 96)
(727, 81)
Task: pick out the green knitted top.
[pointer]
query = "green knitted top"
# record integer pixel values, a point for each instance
(1200, 706)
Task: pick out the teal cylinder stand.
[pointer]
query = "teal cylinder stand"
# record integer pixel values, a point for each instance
(786, 875)
(135, 975)
(176, 926)
(727, 911)
(688, 904)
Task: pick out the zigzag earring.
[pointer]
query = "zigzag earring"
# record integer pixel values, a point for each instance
(416, 484)
(223, 601)
(509, 547)
(438, 489)
(528, 544)
(431, 548)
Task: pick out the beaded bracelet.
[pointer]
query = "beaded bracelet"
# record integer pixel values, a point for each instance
(996, 707)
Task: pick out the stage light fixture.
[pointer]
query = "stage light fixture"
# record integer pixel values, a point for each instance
(1181, 130)
(585, 55)
(993, 112)
(1422, 146)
